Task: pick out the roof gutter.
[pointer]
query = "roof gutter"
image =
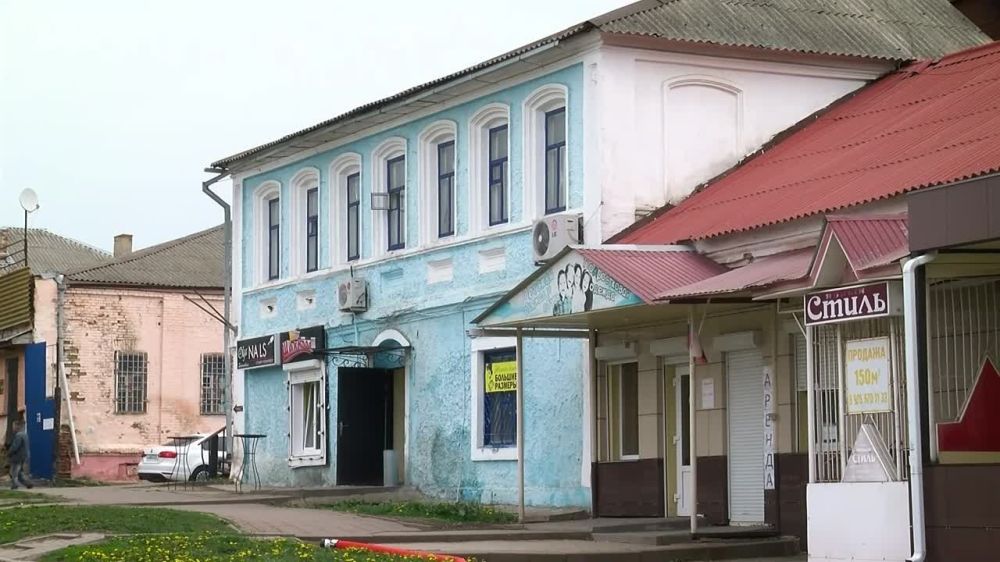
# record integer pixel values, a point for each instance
(227, 234)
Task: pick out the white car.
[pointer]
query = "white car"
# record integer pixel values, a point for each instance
(182, 459)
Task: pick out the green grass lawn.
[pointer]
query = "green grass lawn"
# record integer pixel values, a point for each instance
(455, 513)
(211, 547)
(21, 522)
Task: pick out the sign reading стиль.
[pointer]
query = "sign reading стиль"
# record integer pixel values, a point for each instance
(853, 303)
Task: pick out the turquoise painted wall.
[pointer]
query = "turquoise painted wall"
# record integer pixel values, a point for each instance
(434, 317)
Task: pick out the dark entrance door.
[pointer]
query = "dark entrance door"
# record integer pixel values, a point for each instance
(40, 413)
(364, 428)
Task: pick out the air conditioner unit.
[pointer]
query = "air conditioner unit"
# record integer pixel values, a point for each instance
(352, 295)
(553, 233)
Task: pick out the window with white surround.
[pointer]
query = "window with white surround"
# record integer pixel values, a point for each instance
(267, 231)
(546, 170)
(494, 399)
(305, 221)
(345, 205)
(489, 167)
(306, 414)
(438, 216)
(389, 196)
(623, 388)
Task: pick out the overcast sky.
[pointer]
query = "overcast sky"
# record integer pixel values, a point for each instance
(111, 109)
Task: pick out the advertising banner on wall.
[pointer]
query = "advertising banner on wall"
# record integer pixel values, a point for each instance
(255, 352)
(298, 345)
(501, 376)
(867, 375)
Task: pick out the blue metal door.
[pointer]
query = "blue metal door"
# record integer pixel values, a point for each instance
(39, 414)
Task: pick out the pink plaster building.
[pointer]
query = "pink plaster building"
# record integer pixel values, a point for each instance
(143, 351)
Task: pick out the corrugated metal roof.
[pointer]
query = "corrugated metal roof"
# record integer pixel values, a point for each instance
(787, 266)
(51, 253)
(862, 28)
(924, 125)
(194, 261)
(16, 299)
(648, 273)
(871, 241)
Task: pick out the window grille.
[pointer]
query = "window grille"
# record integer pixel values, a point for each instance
(130, 383)
(963, 330)
(835, 429)
(213, 376)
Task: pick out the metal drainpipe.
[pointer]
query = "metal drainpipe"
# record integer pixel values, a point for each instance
(227, 233)
(916, 461)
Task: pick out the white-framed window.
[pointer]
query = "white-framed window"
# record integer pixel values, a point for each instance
(305, 221)
(546, 167)
(306, 413)
(494, 410)
(267, 231)
(389, 173)
(623, 390)
(438, 215)
(489, 167)
(345, 214)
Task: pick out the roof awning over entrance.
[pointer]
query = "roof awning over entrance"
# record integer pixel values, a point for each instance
(582, 282)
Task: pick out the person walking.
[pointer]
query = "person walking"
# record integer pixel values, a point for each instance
(17, 454)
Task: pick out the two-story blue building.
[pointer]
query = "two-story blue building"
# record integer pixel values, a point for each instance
(365, 245)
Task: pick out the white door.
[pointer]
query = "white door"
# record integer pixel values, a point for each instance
(682, 438)
(744, 370)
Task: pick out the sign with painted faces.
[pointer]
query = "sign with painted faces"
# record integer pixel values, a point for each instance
(572, 285)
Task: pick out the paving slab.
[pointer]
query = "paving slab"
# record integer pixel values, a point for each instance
(37, 547)
(263, 519)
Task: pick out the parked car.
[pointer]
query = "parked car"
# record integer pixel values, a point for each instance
(184, 459)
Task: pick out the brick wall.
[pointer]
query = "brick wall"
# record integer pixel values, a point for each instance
(173, 333)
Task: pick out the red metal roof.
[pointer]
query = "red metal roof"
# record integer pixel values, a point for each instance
(930, 123)
(649, 272)
(871, 241)
(786, 266)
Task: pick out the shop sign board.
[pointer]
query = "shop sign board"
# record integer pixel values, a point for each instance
(501, 376)
(870, 460)
(769, 437)
(298, 345)
(255, 352)
(867, 376)
(853, 303)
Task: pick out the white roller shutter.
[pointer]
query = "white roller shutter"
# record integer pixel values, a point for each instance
(744, 370)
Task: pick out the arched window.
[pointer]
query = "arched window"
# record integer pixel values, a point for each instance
(438, 163)
(546, 169)
(267, 231)
(304, 192)
(389, 196)
(489, 167)
(345, 204)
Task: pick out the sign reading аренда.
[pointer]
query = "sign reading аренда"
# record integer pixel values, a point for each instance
(501, 376)
(867, 376)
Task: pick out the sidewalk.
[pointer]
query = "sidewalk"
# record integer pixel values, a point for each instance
(261, 513)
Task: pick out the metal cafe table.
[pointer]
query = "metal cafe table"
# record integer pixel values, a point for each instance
(181, 445)
(248, 468)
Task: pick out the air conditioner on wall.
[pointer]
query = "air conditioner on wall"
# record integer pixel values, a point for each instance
(553, 233)
(352, 295)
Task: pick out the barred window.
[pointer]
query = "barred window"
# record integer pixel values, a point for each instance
(130, 383)
(213, 376)
(500, 398)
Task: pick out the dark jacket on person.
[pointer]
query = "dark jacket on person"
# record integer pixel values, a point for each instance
(17, 452)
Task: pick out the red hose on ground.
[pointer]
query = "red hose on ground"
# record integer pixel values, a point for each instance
(335, 543)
